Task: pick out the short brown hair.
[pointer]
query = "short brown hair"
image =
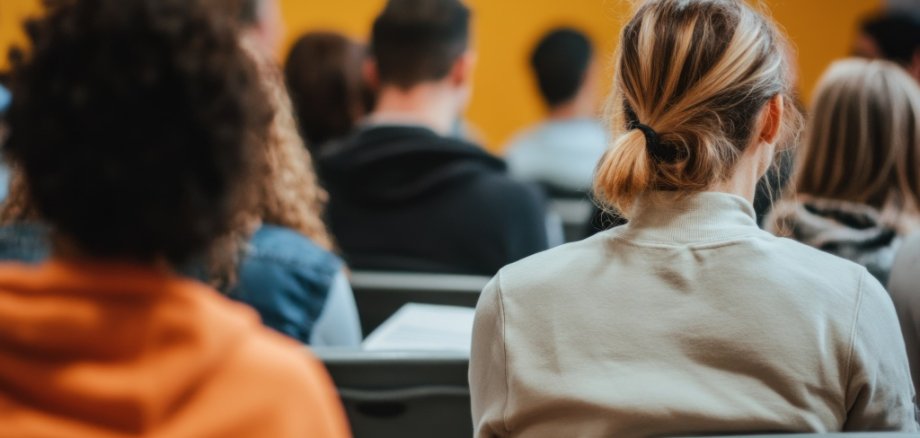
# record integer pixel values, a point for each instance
(415, 41)
(698, 73)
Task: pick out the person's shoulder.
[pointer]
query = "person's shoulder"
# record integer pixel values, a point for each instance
(525, 139)
(555, 264)
(269, 234)
(289, 382)
(792, 262)
(279, 362)
(286, 246)
(802, 253)
(905, 271)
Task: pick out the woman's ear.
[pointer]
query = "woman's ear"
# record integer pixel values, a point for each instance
(771, 120)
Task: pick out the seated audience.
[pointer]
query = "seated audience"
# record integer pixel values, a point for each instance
(857, 193)
(330, 95)
(904, 287)
(288, 272)
(893, 35)
(562, 151)
(405, 196)
(689, 320)
(105, 339)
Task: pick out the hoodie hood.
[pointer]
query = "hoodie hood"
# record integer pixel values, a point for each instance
(856, 232)
(400, 164)
(109, 350)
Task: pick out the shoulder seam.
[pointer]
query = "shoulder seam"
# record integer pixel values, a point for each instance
(501, 310)
(852, 341)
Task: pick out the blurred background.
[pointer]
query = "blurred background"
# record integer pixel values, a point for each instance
(506, 30)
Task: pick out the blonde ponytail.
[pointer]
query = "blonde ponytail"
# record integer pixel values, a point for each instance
(691, 79)
(626, 168)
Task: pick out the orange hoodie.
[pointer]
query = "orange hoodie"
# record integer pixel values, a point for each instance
(114, 351)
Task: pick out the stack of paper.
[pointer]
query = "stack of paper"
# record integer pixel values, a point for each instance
(424, 327)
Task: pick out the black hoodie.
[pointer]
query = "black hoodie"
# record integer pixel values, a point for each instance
(405, 198)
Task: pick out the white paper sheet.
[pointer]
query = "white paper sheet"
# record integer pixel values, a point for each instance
(424, 327)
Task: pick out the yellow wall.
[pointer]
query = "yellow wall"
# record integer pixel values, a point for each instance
(11, 14)
(505, 98)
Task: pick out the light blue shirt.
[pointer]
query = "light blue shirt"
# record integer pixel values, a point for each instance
(559, 153)
(5, 99)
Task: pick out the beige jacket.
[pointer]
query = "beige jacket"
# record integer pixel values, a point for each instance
(689, 320)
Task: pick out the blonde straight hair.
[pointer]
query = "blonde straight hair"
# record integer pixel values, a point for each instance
(862, 142)
(697, 73)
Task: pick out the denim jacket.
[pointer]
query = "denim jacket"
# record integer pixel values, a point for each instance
(24, 242)
(287, 278)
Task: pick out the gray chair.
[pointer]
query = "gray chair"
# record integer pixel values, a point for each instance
(379, 295)
(575, 215)
(406, 395)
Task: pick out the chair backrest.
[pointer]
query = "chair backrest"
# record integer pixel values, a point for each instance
(406, 395)
(575, 215)
(379, 295)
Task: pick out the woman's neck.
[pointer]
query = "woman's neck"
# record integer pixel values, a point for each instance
(743, 184)
(751, 166)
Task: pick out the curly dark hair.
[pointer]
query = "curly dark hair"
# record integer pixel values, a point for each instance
(136, 124)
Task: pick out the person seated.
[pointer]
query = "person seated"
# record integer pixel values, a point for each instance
(403, 194)
(105, 338)
(562, 151)
(324, 72)
(904, 287)
(288, 271)
(689, 320)
(893, 35)
(855, 191)
(284, 268)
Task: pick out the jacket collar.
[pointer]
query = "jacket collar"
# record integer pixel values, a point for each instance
(707, 217)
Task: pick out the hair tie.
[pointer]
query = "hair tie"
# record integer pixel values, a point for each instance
(653, 143)
(651, 137)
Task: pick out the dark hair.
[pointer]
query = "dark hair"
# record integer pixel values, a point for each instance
(897, 35)
(560, 62)
(135, 124)
(249, 11)
(415, 41)
(323, 72)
